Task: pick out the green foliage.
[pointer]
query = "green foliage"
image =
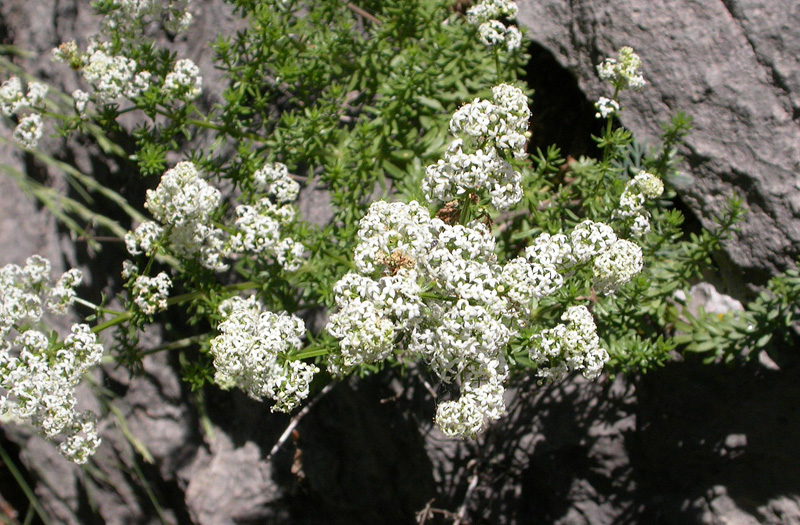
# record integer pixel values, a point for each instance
(355, 99)
(738, 334)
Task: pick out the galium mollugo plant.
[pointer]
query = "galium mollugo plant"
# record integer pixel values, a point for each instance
(484, 261)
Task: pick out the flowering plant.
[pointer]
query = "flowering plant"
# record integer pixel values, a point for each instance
(452, 248)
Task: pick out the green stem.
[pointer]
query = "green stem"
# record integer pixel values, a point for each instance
(23, 485)
(609, 129)
(310, 352)
(176, 345)
(207, 124)
(437, 297)
(497, 67)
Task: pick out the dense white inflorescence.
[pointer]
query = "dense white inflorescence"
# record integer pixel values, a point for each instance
(486, 132)
(111, 76)
(13, 101)
(275, 180)
(253, 352)
(130, 16)
(144, 238)
(12, 98)
(616, 266)
(183, 203)
(39, 376)
(573, 346)
(438, 289)
(427, 289)
(80, 100)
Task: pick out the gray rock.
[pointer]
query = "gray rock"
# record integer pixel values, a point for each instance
(734, 66)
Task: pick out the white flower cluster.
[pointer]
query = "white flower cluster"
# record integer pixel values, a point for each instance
(132, 15)
(37, 376)
(614, 261)
(13, 100)
(150, 293)
(606, 107)
(616, 266)
(80, 99)
(144, 238)
(486, 131)
(434, 291)
(275, 180)
(12, 97)
(481, 398)
(487, 15)
(568, 347)
(183, 82)
(111, 76)
(622, 72)
(258, 230)
(642, 187)
(183, 203)
(29, 131)
(253, 351)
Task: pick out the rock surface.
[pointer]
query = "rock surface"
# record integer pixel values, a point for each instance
(685, 444)
(732, 65)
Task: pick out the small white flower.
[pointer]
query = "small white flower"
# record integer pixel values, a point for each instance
(570, 346)
(589, 239)
(252, 353)
(275, 180)
(63, 293)
(12, 98)
(513, 38)
(110, 75)
(182, 197)
(144, 239)
(606, 107)
(616, 266)
(491, 10)
(36, 94)
(623, 72)
(29, 131)
(81, 100)
(183, 82)
(150, 293)
(82, 440)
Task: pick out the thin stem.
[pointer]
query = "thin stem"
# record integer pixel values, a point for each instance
(296, 419)
(609, 129)
(23, 485)
(175, 345)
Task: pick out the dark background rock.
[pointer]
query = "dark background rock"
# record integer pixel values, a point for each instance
(685, 444)
(734, 67)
